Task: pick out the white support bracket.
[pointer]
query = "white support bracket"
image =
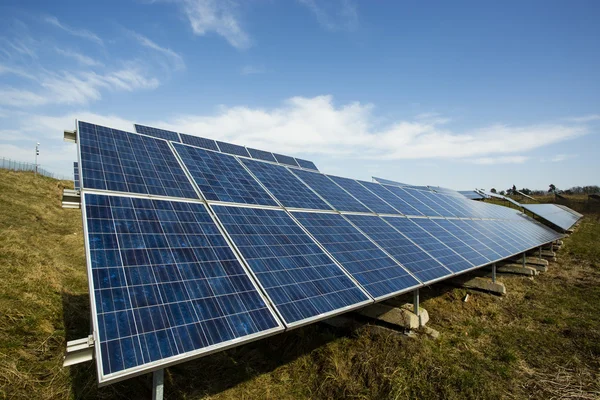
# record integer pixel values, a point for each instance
(79, 351)
(70, 136)
(71, 199)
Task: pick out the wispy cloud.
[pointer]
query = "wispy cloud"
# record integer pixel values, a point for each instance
(562, 157)
(252, 70)
(80, 58)
(499, 160)
(219, 16)
(82, 33)
(584, 118)
(334, 15)
(175, 58)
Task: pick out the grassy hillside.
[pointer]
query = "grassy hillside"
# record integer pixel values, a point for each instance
(542, 340)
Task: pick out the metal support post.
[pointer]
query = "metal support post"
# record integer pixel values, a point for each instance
(524, 260)
(540, 252)
(494, 273)
(158, 384)
(416, 302)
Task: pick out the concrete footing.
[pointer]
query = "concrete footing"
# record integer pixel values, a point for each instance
(531, 261)
(400, 316)
(483, 284)
(517, 269)
(548, 254)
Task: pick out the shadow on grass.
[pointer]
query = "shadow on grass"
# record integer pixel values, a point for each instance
(204, 376)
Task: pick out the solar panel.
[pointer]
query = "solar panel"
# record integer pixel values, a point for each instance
(261, 155)
(553, 214)
(199, 142)
(157, 133)
(412, 198)
(472, 195)
(287, 160)
(332, 193)
(76, 184)
(389, 182)
(459, 230)
(412, 257)
(285, 186)
(390, 198)
(376, 272)
(365, 196)
(221, 177)
(449, 239)
(432, 200)
(165, 285)
(234, 149)
(127, 162)
(445, 255)
(489, 229)
(306, 164)
(302, 282)
(482, 236)
(569, 210)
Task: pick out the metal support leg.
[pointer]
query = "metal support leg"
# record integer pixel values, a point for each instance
(524, 260)
(416, 302)
(540, 252)
(494, 273)
(158, 384)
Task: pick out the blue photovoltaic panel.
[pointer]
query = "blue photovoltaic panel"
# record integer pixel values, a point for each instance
(76, 176)
(413, 258)
(389, 182)
(430, 244)
(261, 155)
(377, 273)
(126, 162)
(332, 193)
(471, 229)
(365, 196)
(458, 231)
(199, 142)
(472, 195)
(432, 200)
(558, 216)
(306, 164)
(221, 177)
(157, 133)
(287, 160)
(302, 282)
(390, 198)
(488, 230)
(234, 149)
(413, 198)
(285, 186)
(453, 242)
(166, 284)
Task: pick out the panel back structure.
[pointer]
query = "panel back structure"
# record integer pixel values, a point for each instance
(555, 215)
(165, 285)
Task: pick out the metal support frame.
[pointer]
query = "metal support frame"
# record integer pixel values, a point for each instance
(158, 384)
(524, 260)
(494, 273)
(79, 351)
(416, 302)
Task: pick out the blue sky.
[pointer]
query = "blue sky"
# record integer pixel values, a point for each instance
(461, 94)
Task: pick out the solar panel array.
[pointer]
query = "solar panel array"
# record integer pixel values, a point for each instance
(234, 249)
(472, 195)
(561, 216)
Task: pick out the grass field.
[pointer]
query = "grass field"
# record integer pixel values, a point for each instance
(540, 341)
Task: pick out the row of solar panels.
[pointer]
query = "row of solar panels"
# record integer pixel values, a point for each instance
(224, 147)
(190, 251)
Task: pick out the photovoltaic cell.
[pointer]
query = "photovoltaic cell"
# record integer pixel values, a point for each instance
(199, 142)
(166, 284)
(412, 198)
(332, 193)
(390, 198)
(413, 258)
(430, 244)
(126, 162)
(302, 282)
(365, 196)
(453, 242)
(306, 164)
(157, 133)
(234, 149)
(458, 231)
(287, 160)
(377, 273)
(261, 155)
(76, 184)
(285, 186)
(221, 177)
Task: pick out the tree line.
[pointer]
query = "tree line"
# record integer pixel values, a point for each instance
(592, 189)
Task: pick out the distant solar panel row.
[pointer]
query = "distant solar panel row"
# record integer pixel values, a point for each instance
(175, 278)
(559, 216)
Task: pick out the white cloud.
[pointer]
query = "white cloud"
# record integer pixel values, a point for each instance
(499, 160)
(80, 58)
(584, 118)
(219, 16)
(562, 157)
(82, 33)
(252, 70)
(20, 98)
(334, 15)
(175, 58)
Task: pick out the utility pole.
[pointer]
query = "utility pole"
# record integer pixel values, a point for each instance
(37, 153)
